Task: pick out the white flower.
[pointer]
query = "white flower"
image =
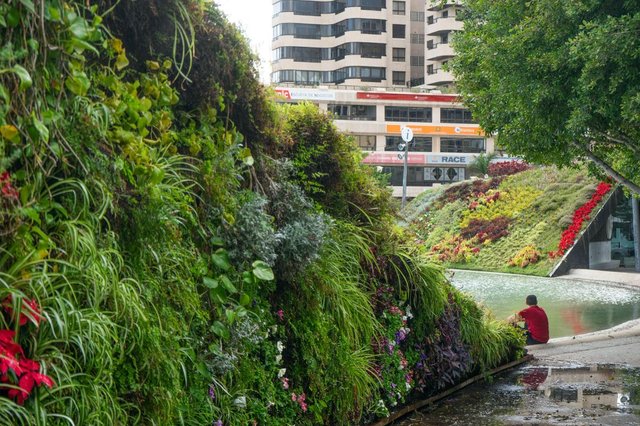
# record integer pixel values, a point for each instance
(408, 311)
(278, 359)
(280, 346)
(274, 329)
(407, 385)
(282, 372)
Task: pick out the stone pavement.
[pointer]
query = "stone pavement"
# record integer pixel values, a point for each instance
(617, 345)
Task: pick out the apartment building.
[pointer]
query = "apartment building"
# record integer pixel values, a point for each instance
(370, 43)
(374, 64)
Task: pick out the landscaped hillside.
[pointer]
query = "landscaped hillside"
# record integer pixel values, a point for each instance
(520, 223)
(176, 249)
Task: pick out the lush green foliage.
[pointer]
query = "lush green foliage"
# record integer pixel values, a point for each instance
(199, 255)
(557, 80)
(501, 225)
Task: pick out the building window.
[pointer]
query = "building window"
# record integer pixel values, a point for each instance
(445, 14)
(455, 115)
(365, 142)
(473, 145)
(417, 61)
(398, 54)
(353, 112)
(417, 38)
(430, 69)
(398, 31)
(429, 20)
(444, 39)
(405, 114)
(399, 78)
(399, 8)
(430, 44)
(424, 176)
(417, 16)
(418, 144)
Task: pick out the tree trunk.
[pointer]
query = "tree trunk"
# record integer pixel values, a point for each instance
(636, 231)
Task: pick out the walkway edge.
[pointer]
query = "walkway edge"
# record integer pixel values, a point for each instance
(417, 405)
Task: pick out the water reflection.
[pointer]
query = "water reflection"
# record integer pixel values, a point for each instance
(542, 395)
(573, 307)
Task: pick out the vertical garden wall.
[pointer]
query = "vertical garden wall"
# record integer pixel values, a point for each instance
(177, 249)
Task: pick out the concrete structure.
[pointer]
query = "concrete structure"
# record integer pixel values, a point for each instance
(358, 58)
(372, 43)
(445, 137)
(441, 23)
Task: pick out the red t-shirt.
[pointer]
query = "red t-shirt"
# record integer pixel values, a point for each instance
(537, 322)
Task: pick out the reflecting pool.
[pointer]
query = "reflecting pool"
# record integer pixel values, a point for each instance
(594, 395)
(573, 307)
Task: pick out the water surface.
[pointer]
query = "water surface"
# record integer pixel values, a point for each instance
(573, 307)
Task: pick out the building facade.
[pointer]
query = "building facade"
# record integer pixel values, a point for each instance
(374, 65)
(446, 139)
(372, 43)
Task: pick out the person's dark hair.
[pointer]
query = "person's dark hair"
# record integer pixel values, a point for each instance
(532, 300)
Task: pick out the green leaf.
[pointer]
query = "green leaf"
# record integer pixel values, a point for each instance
(220, 330)
(78, 83)
(227, 284)
(29, 5)
(262, 271)
(23, 74)
(244, 299)
(217, 241)
(10, 133)
(203, 370)
(231, 315)
(245, 156)
(121, 61)
(4, 94)
(221, 259)
(32, 214)
(42, 130)
(247, 277)
(210, 282)
(79, 28)
(13, 17)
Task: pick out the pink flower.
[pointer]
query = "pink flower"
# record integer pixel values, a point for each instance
(285, 383)
(293, 396)
(280, 314)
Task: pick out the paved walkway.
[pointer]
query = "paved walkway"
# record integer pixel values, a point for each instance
(617, 345)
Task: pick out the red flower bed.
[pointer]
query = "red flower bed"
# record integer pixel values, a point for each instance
(506, 168)
(15, 367)
(487, 229)
(579, 216)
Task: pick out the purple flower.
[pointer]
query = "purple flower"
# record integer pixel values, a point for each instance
(212, 393)
(393, 385)
(218, 423)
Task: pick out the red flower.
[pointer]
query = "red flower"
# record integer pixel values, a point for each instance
(29, 305)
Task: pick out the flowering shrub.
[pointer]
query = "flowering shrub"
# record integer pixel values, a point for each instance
(579, 217)
(527, 256)
(487, 230)
(495, 204)
(455, 249)
(396, 378)
(443, 358)
(468, 189)
(506, 168)
(15, 368)
(8, 191)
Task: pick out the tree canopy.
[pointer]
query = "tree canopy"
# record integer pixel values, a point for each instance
(557, 80)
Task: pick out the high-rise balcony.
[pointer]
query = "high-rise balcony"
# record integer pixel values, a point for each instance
(438, 52)
(438, 77)
(443, 25)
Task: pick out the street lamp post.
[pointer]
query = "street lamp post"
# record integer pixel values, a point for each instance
(407, 137)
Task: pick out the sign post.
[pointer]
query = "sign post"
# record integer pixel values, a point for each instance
(407, 137)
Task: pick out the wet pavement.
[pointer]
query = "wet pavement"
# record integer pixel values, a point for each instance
(542, 395)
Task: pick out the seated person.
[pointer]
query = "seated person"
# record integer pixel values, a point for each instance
(536, 323)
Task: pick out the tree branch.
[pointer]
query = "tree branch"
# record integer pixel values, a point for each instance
(621, 141)
(609, 170)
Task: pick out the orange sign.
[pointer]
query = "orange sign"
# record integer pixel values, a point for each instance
(419, 129)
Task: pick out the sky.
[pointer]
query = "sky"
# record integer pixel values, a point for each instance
(254, 19)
